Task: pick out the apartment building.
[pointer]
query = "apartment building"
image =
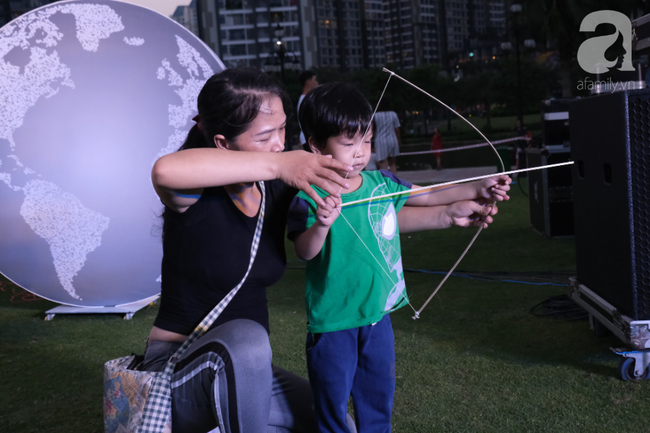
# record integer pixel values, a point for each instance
(186, 16)
(351, 34)
(245, 32)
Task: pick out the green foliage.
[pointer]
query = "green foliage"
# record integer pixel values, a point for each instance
(294, 89)
(557, 23)
(536, 85)
(482, 87)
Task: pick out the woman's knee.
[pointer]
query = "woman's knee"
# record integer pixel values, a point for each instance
(246, 340)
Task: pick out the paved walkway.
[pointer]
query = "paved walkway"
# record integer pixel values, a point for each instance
(424, 177)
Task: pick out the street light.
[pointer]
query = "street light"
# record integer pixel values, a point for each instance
(281, 58)
(516, 10)
(280, 49)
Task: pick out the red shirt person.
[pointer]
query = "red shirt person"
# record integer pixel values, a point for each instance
(436, 144)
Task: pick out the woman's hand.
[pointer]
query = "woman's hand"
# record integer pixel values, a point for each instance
(471, 213)
(494, 188)
(302, 169)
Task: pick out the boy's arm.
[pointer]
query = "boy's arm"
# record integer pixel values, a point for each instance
(494, 189)
(309, 243)
(467, 213)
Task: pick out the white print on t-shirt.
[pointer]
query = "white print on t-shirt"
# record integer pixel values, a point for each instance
(383, 220)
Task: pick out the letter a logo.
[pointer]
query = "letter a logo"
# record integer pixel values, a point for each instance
(591, 53)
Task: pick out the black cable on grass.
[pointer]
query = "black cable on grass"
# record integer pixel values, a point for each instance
(559, 307)
(536, 278)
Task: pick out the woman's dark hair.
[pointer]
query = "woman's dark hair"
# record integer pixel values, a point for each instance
(334, 109)
(229, 101)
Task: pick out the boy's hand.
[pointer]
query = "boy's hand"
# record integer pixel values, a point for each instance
(494, 188)
(471, 213)
(326, 215)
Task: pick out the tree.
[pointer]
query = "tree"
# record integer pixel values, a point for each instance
(538, 83)
(557, 23)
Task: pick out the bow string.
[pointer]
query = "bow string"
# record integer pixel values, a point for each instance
(480, 229)
(393, 74)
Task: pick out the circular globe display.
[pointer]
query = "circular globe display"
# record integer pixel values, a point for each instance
(92, 93)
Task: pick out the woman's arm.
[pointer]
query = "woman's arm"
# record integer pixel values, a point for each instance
(179, 178)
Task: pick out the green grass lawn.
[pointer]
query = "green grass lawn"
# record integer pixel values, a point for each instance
(476, 360)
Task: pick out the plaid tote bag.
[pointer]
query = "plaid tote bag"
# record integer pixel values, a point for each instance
(140, 401)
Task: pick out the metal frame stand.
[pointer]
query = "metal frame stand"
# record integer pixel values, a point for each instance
(634, 333)
(127, 309)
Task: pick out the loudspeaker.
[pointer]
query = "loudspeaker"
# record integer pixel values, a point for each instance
(549, 193)
(555, 122)
(610, 145)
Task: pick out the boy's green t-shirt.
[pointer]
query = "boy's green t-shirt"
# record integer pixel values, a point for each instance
(357, 277)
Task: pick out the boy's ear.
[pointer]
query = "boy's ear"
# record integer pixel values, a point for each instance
(313, 147)
(221, 142)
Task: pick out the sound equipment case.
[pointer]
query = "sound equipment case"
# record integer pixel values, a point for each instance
(549, 192)
(610, 145)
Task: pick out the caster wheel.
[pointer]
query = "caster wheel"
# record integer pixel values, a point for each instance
(626, 370)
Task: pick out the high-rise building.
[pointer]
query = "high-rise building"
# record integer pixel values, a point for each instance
(246, 32)
(436, 31)
(345, 34)
(11, 9)
(373, 33)
(186, 16)
(412, 32)
(352, 34)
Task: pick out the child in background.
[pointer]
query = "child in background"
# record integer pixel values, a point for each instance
(354, 274)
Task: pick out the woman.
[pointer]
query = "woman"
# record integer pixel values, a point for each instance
(225, 379)
(387, 137)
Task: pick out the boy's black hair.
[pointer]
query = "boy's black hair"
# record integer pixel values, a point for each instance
(334, 109)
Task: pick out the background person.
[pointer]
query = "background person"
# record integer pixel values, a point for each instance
(436, 144)
(308, 81)
(387, 137)
(212, 198)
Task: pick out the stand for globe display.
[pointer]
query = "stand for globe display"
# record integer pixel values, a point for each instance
(127, 309)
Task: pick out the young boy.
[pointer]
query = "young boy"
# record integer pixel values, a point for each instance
(354, 268)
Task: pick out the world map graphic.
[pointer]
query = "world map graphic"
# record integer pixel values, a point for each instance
(91, 94)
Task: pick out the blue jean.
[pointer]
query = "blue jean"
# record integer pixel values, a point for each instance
(357, 362)
(226, 380)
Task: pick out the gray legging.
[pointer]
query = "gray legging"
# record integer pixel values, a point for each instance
(226, 380)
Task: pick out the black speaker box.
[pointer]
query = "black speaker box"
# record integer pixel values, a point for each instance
(610, 145)
(555, 122)
(549, 193)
